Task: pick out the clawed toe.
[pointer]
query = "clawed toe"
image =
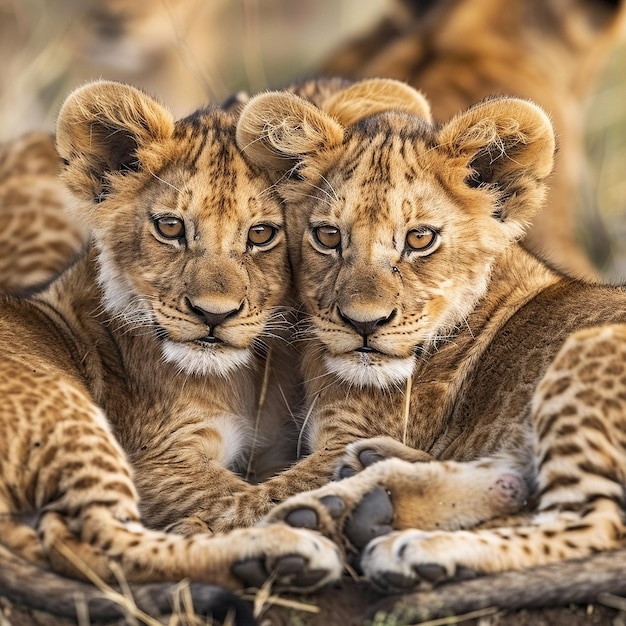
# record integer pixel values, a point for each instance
(251, 572)
(307, 517)
(289, 571)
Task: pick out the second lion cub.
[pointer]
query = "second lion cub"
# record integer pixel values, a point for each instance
(426, 322)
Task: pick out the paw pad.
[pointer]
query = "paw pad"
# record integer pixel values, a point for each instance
(302, 518)
(251, 572)
(369, 457)
(334, 505)
(347, 472)
(372, 517)
(396, 582)
(290, 569)
(431, 572)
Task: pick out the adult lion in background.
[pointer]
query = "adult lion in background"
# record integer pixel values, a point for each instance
(457, 52)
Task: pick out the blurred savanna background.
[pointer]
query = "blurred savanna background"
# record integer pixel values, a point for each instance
(190, 52)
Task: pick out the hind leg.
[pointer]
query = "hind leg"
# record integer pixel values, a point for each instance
(578, 416)
(90, 523)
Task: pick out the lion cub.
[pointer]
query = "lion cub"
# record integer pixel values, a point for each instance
(141, 367)
(425, 323)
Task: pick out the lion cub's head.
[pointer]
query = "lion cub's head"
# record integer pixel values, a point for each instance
(189, 238)
(394, 224)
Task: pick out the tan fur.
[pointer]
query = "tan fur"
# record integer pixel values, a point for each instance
(487, 335)
(39, 237)
(458, 52)
(140, 370)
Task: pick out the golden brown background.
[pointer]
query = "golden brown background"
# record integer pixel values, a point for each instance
(189, 52)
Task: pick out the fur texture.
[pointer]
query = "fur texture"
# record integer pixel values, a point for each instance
(429, 328)
(458, 52)
(138, 374)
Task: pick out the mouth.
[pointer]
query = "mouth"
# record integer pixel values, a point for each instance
(368, 350)
(209, 339)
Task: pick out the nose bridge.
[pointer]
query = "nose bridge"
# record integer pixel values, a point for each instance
(365, 289)
(218, 285)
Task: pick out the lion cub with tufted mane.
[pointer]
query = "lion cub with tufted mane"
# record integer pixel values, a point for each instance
(425, 323)
(140, 369)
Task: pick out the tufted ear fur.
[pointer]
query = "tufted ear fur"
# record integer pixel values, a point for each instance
(106, 129)
(278, 129)
(507, 146)
(375, 95)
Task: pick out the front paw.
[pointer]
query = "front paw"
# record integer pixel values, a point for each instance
(290, 559)
(407, 560)
(351, 512)
(365, 452)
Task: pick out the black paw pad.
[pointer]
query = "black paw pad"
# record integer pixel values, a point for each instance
(303, 518)
(292, 570)
(372, 517)
(251, 572)
(289, 564)
(464, 573)
(394, 581)
(431, 572)
(334, 505)
(309, 578)
(347, 472)
(369, 457)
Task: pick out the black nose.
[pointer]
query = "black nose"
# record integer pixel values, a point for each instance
(366, 327)
(209, 317)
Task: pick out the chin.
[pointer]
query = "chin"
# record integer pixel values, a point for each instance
(371, 370)
(210, 360)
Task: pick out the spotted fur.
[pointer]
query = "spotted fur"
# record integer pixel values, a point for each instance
(39, 237)
(133, 386)
(429, 328)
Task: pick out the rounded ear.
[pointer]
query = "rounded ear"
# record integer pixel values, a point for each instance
(375, 95)
(105, 128)
(507, 145)
(277, 129)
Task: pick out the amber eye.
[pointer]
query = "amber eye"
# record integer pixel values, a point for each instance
(421, 239)
(170, 227)
(327, 236)
(261, 234)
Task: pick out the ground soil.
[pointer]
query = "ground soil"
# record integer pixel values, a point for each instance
(588, 592)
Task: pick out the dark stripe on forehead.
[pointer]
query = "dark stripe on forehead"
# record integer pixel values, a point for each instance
(193, 159)
(211, 129)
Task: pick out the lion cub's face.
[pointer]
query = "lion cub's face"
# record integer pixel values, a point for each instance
(191, 243)
(394, 251)
(394, 226)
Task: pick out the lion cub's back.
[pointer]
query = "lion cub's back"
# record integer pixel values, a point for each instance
(38, 238)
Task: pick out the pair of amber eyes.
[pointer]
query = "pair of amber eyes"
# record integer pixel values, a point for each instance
(170, 227)
(418, 239)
